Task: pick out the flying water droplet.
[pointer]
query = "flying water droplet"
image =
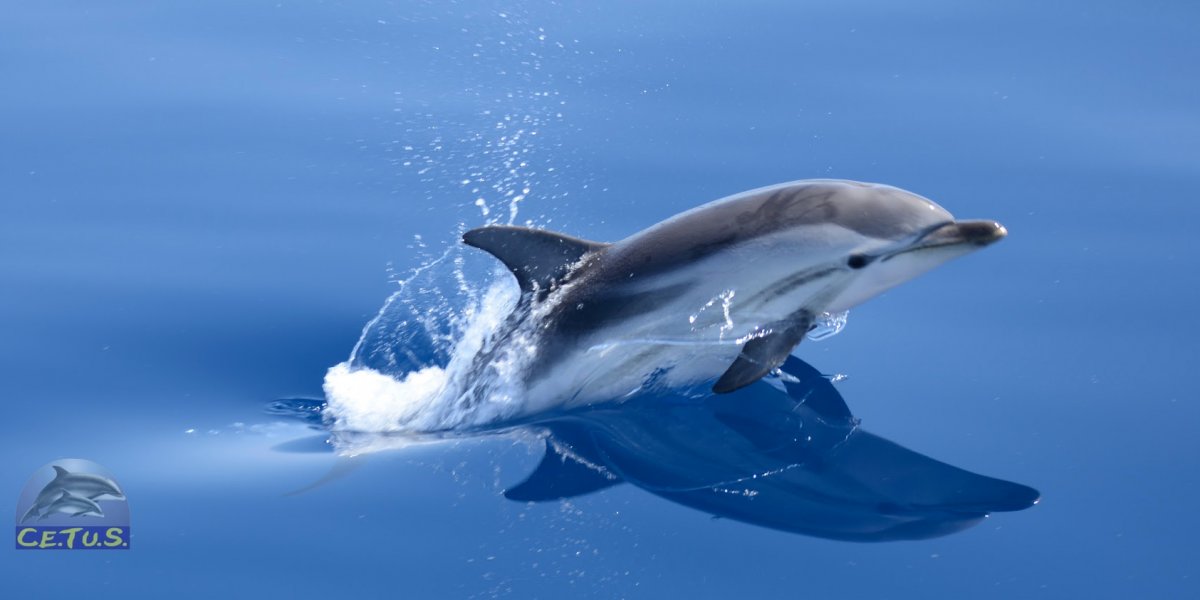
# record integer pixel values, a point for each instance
(827, 325)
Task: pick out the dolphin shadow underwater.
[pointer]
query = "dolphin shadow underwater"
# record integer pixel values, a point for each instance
(792, 459)
(784, 453)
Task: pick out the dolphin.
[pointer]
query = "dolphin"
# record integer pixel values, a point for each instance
(784, 453)
(74, 505)
(721, 293)
(92, 487)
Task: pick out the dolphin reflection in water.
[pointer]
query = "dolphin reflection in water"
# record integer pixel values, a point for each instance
(792, 459)
(784, 453)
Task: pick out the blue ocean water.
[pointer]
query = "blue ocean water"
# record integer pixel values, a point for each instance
(202, 205)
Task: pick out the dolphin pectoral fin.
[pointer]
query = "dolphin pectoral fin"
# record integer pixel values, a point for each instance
(561, 475)
(537, 258)
(760, 356)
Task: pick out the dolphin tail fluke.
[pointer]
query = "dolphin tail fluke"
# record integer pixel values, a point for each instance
(912, 480)
(561, 474)
(31, 513)
(536, 257)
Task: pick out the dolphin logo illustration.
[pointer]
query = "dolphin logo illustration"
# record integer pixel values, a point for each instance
(74, 505)
(721, 293)
(72, 489)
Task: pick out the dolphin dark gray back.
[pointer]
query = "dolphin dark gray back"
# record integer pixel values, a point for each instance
(875, 211)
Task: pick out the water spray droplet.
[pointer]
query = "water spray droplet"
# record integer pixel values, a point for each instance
(827, 325)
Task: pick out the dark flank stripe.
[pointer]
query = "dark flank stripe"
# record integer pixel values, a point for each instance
(600, 310)
(790, 284)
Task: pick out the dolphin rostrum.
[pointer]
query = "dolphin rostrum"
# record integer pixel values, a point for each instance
(723, 292)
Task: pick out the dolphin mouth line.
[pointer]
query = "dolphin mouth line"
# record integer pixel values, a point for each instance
(951, 233)
(918, 248)
(914, 243)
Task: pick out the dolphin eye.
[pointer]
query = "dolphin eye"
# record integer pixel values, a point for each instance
(857, 261)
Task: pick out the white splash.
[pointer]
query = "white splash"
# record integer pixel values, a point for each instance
(414, 368)
(369, 395)
(364, 399)
(827, 325)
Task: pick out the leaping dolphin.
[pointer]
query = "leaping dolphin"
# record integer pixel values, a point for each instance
(723, 292)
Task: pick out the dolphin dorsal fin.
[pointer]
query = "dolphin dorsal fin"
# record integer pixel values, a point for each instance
(536, 257)
(60, 472)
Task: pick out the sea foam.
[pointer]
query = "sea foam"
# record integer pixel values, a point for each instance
(414, 369)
